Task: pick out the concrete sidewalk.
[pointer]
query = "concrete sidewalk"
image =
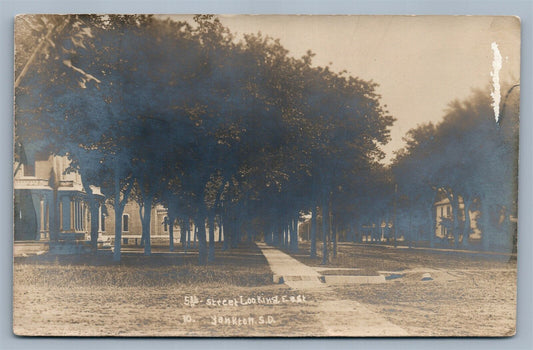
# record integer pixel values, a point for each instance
(340, 318)
(289, 270)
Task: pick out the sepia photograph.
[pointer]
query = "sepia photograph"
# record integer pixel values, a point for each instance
(265, 175)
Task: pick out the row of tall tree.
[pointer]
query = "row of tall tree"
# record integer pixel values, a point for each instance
(468, 159)
(217, 129)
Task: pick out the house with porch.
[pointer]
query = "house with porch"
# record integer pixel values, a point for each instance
(48, 199)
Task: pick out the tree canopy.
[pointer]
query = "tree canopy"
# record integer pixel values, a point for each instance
(238, 132)
(185, 113)
(469, 159)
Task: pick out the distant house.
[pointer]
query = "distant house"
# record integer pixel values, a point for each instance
(444, 219)
(131, 224)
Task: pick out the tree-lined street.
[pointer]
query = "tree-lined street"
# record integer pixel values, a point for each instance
(247, 191)
(236, 133)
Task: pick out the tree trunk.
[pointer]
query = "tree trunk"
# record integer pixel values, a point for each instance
(232, 233)
(44, 42)
(211, 255)
(277, 236)
(195, 235)
(236, 238)
(454, 201)
(199, 223)
(170, 232)
(269, 236)
(313, 232)
(456, 222)
(410, 238)
(467, 227)
(486, 234)
(146, 220)
(286, 236)
(94, 225)
(171, 218)
(118, 230)
(141, 216)
(93, 208)
(188, 232)
(325, 214)
(119, 208)
(294, 235)
(54, 222)
(334, 237)
(395, 230)
(227, 235)
(505, 228)
(220, 228)
(432, 220)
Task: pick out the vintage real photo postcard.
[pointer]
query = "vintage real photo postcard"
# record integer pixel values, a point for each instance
(265, 176)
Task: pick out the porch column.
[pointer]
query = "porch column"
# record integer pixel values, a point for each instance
(67, 213)
(99, 220)
(41, 218)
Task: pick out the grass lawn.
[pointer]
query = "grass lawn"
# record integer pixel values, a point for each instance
(155, 296)
(167, 294)
(385, 258)
(468, 294)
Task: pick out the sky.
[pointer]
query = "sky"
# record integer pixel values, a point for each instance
(421, 63)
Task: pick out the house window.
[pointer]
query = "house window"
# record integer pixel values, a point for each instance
(165, 224)
(125, 222)
(441, 211)
(102, 223)
(448, 211)
(29, 169)
(46, 218)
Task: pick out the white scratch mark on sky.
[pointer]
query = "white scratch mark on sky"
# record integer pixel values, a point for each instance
(495, 74)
